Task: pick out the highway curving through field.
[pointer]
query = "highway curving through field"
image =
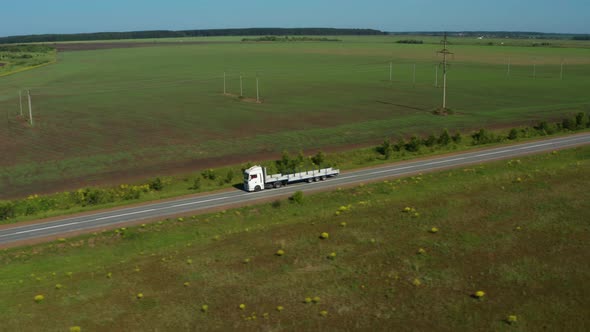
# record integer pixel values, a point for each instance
(186, 205)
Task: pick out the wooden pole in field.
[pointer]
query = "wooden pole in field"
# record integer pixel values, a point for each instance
(30, 108)
(20, 102)
(257, 91)
(561, 71)
(241, 87)
(390, 71)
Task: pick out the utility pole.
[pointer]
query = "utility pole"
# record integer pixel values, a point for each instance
(224, 91)
(20, 102)
(241, 87)
(390, 71)
(445, 52)
(561, 71)
(436, 76)
(30, 107)
(257, 91)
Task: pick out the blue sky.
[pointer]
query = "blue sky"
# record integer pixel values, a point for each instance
(72, 16)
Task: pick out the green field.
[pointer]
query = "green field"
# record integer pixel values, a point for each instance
(516, 230)
(116, 115)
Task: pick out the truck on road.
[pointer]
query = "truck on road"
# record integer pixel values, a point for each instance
(256, 178)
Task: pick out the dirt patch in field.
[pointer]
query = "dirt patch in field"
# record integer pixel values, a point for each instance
(71, 47)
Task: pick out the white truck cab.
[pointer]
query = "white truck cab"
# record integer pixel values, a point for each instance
(254, 178)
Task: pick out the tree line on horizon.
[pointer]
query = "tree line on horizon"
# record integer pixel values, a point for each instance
(187, 33)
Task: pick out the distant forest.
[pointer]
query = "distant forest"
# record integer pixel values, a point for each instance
(187, 33)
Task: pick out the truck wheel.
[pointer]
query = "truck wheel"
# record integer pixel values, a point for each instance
(310, 180)
(316, 179)
(323, 178)
(257, 188)
(277, 184)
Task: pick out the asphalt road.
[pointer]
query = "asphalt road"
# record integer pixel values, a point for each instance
(113, 218)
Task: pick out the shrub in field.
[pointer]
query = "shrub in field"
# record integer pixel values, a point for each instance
(324, 236)
(457, 138)
(39, 298)
(445, 138)
(94, 196)
(513, 134)
(286, 164)
(385, 149)
(569, 124)
(209, 174)
(414, 144)
(319, 159)
(75, 329)
(196, 184)
(511, 319)
(204, 308)
(400, 145)
(544, 128)
(297, 197)
(479, 294)
(229, 176)
(430, 141)
(582, 120)
(484, 136)
(280, 252)
(156, 184)
(6, 210)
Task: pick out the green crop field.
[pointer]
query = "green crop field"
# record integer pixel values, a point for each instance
(403, 254)
(110, 115)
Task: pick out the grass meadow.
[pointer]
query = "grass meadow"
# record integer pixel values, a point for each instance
(403, 254)
(113, 114)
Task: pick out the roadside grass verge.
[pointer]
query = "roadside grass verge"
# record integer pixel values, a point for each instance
(516, 230)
